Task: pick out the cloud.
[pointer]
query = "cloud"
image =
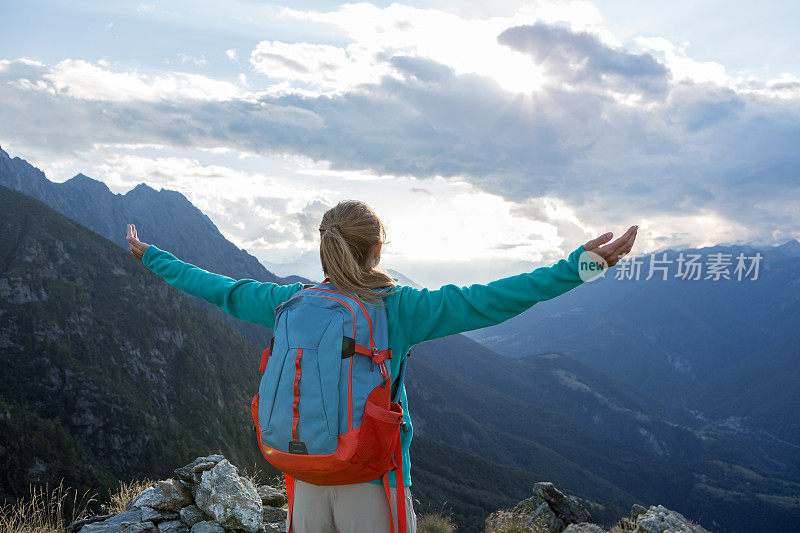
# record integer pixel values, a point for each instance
(325, 67)
(186, 58)
(82, 80)
(614, 136)
(582, 59)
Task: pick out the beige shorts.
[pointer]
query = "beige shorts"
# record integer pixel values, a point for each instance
(355, 508)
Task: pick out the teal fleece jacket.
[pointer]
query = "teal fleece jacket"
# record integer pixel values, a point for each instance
(414, 315)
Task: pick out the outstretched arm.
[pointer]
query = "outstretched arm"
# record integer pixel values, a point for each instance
(427, 314)
(245, 299)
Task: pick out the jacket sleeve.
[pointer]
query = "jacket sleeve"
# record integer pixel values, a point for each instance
(428, 314)
(245, 299)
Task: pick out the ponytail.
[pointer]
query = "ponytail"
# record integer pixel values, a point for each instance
(348, 233)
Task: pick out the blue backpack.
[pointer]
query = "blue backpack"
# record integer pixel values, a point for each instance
(325, 412)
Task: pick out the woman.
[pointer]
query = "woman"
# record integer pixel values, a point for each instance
(351, 239)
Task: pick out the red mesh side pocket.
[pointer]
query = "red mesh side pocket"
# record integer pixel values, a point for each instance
(377, 434)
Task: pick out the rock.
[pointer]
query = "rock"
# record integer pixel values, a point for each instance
(141, 527)
(659, 519)
(173, 526)
(540, 519)
(272, 496)
(75, 526)
(207, 527)
(191, 514)
(157, 515)
(548, 510)
(273, 514)
(127, 522)
(192, 472)
(543, 516)
(583, 528)
(567, 508)
(144, 499)
(636, 510)
(229, 499)
(169, 495)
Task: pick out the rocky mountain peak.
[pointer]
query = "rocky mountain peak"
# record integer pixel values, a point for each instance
(84, 183)
(790, 247)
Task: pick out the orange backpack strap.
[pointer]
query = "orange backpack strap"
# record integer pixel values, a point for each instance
(290, 497)
(401, 489)
(388, 499)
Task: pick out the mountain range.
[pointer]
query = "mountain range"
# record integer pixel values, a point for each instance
(83, 376)
(712, 349)
(165, 217)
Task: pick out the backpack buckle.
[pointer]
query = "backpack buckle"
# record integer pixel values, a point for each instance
(298, 447)
(384, 373)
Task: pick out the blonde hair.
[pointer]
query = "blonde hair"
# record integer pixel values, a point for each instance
(348, 232)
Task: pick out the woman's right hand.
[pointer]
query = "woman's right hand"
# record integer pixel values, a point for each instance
(137, 247)
(611, 253)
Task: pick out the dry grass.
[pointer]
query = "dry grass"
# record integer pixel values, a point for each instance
(624, 525)
(277, 481)
(45, 510)
(125, 492)
(435, 522)
(254, 478)
(511, 522)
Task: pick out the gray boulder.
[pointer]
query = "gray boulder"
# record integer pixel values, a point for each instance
(157, 515)
(273, 514)
(659, 519)
(168, 495)
(173, 526)
(583, 528)
(544, 517)
(191, 514)
(637, 510)
(567, 508)
(272, 496)
(540, 519)
(129, 522)
(207, 527)
(141, 527)
(76, 526)
(192, 472)
(230, 500)
(548, 511)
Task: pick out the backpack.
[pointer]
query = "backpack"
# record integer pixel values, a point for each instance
(325, 412)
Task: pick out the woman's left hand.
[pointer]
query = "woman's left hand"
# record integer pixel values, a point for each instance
(137, 247)
(611, 253)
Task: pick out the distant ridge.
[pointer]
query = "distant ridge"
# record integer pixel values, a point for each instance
(164, 218)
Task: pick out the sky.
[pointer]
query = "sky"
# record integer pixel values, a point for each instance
(491, 137)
